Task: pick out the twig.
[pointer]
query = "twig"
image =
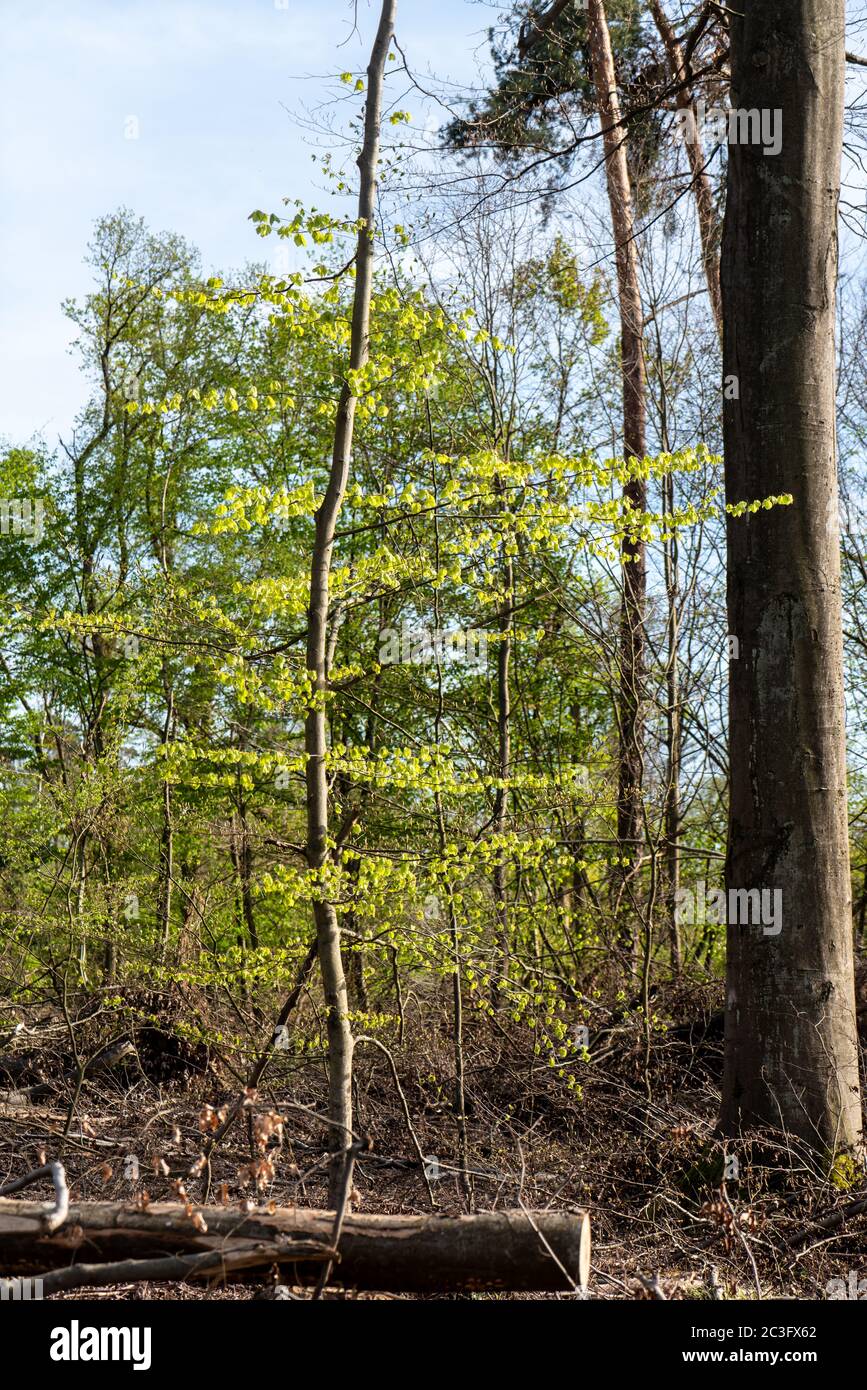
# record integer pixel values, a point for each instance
(744, 1242)
(54, 1219)
(340, 1212)
(412, 1134)
(108, 1057)
(558, 1262)
(831, 1221)
(172, 1267)
(259, 1066)
(653, 1287)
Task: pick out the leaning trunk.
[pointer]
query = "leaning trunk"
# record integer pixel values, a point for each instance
(708, 221)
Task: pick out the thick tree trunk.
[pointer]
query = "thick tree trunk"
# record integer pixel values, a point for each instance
(514, 1250)
(631, 679)
(791, 1047)
(315, 734)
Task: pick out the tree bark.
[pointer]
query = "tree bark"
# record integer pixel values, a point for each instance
(634, 402)
(634, 563)
(791, 1045)
(517, 1250)
(315, 734)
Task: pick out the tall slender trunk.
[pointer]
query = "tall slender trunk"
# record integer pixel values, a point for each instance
(708, 221)
(504, 752)
(460, 1093)
(352, 924)
(166, 874)
(673, 720)
(80, 861)
(674, 733)
(791, 1054)
(634, 561)
(242, 861)
(339, 1031)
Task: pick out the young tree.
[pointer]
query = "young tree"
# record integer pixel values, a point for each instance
(316, 735)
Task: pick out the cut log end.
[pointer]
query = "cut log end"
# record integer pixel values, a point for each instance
(583, 1250)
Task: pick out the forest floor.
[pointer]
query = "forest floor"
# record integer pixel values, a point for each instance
(635, 1145)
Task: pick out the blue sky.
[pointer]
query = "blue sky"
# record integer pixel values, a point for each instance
(217, 88)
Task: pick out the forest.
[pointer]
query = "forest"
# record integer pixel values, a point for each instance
(432, 767)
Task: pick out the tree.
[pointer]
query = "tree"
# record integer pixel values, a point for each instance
(556, 67)
(632, 613)
(791, 1045)
(316, 734)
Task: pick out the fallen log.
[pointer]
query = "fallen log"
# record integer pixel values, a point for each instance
(101, 1061)
(829, 1222)
(520, 1251)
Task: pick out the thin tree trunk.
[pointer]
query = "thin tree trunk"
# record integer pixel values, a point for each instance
(634, 563)
(355, 927)
(674, 735)
(81, 898)
(504, 763)
(460, 1093)
(242, 862)
(673, 720)
(791, 1045)
(708, 221)
(339, 1030)
(166, 865)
